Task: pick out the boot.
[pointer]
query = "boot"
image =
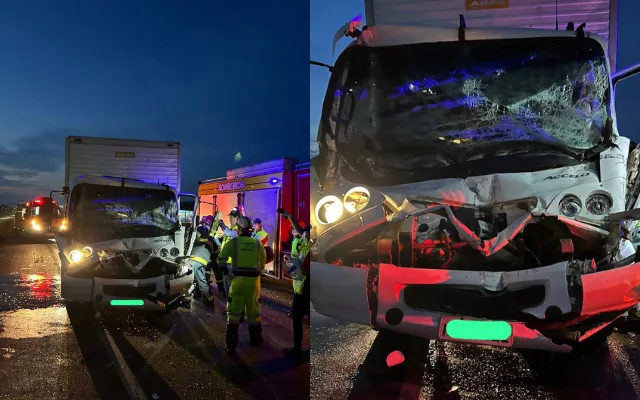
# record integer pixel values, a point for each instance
(255, 335)
(232, 338)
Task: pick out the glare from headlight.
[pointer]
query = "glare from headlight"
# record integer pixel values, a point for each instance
(328, 210)
(75, 256)
(33, 222)
(87, 251)
(570, 206)
(356, 199)
(35, 227)
(599, 204)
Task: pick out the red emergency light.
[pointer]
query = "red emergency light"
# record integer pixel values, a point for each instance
(38, 201)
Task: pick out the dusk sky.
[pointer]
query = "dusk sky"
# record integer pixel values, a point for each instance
(219, 77)
(329, 15)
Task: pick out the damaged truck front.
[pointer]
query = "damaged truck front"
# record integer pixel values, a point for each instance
(471, 186)
(124, 246)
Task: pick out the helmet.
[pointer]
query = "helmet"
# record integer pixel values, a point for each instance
(257, 221)
(235, 213)
(244, 223)
(207, 219)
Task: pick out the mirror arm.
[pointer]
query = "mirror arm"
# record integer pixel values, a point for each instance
(625, 73)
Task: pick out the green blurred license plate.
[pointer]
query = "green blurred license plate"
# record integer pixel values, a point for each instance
(127, 303)
(478, 330)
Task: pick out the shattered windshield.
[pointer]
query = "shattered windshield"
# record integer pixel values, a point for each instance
(426, 111)
(123, 211)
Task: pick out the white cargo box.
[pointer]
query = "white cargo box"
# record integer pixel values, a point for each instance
(601, 16)
(153, 162)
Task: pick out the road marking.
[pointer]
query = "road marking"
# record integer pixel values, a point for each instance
(127, 377)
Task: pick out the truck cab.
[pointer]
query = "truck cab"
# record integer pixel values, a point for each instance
(124, 244)
(474, 173)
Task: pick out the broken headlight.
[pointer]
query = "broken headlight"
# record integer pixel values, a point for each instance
(356, 199)
(570, 206)
(79, 255)
(328, 210)
(599, 204)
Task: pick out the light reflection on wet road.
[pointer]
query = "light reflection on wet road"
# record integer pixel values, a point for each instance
(349, 361)
(48, 350)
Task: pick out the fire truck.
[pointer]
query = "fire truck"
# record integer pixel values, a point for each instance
(35, 217)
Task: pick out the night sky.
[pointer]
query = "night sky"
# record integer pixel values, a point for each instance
(329, 15)
(219, 77)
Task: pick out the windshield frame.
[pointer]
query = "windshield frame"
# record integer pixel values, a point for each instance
(101, 230)
(331, 154)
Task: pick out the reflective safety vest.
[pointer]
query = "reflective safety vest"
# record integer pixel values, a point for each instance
(247, 256)
(299, 249)
(213, 234)
(225, 240)
(201, 254)
(262, 236)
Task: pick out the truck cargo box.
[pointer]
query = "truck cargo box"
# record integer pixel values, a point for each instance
(601, 16)
(154, 162)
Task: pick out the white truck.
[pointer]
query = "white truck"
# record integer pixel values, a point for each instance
(123, 244)
(471, 184)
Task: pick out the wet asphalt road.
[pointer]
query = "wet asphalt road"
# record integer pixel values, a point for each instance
(349, 362)
(49, 351)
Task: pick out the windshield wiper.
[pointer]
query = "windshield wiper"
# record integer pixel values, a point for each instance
(523, 146)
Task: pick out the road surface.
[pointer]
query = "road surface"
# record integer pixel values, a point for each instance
(50, 352)
(349, 362)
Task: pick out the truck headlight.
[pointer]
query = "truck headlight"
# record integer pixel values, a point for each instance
(356, 199)
(87, 251)
(174, 252)
(164, 253)
(328, 210)
(75, 256)
(599, 204)
(570, 206)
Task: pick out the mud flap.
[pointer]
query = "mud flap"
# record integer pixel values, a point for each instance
(340, 292)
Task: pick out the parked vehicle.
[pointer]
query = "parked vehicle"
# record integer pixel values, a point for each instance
(35, 217)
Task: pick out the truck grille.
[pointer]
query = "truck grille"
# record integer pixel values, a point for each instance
(474, 301)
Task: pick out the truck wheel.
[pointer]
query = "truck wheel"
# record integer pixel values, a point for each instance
(80, 314)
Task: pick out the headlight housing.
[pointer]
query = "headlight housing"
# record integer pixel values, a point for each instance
(174, 252)
(570, 206)
(328, 210)
(356, 199)
(599, 204)
(164, 253)
(75, 256)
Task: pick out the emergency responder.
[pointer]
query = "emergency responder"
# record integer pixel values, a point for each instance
(299, 271)
(260, 233)
(200, 257)
(229, 233)
(247, 261)
(217, 245)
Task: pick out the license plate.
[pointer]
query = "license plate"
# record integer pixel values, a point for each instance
(496, 333)
(127, 303)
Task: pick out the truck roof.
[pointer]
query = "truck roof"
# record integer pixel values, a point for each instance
(600, 16)
(393, 35)
(116, 181)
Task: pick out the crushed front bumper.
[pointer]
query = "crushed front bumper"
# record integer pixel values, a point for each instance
(156, 293)
(538, 303)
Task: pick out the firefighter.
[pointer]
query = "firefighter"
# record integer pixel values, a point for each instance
(200, 257)
(247, 261)
(229, 233)
(260, 233)
(217, 245)
(299, 271)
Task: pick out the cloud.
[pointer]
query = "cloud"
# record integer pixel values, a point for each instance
(32, 166)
